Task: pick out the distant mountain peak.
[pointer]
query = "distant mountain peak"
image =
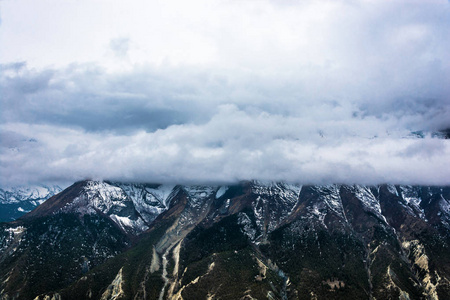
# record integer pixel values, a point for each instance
(18, 200)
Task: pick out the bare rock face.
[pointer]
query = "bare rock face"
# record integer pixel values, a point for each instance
(252, 240)
(115, 289)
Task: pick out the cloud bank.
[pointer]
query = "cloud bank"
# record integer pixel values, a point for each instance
(221, 91)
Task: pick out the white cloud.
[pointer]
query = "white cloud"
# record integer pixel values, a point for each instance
(232, 146)
(309, 91)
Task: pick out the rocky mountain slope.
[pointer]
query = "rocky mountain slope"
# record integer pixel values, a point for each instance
(253, 240)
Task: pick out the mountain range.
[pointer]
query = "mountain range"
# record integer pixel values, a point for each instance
(250, 240)
(18, 200)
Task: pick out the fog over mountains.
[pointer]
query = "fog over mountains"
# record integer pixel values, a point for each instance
(211, 149)
(222, 91)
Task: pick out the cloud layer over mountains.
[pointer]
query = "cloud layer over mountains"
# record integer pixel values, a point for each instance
(220, 91)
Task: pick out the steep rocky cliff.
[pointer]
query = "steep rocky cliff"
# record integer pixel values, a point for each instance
(252, 240)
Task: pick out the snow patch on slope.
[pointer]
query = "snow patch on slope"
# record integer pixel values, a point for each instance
(221, 191)
(104, 196)
(444, 213)
(391, 188)
(126, 223)
(329, 194)
(199, 194)
(368, 199)
(247, 228)
(411, 196)
(274, 203)
(149, 200)
(365, 195)
(98, 196)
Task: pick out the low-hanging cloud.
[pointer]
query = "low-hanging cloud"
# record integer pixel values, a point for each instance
(232, 146)
(311, 92)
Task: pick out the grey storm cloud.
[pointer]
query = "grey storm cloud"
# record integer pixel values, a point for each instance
(310, 92)
(87, 97)
(90, 99)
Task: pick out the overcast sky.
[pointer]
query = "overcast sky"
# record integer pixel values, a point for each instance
(221, 91)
